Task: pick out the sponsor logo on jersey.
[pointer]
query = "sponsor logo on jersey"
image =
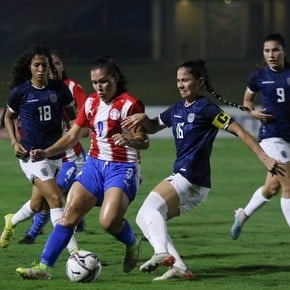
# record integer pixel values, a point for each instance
(53, 98)
(190, 117)
(115, 114)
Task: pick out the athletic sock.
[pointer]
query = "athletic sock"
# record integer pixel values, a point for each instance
(126, 235)
(257, 200)
(57, 241)
(40, 219)
(22, 214)
(285, 206)
(151, 219)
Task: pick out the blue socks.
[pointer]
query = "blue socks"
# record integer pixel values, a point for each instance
(127, 235)
(40, 219)
(56, 242)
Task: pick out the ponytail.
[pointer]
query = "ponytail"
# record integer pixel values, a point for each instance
(211, 90)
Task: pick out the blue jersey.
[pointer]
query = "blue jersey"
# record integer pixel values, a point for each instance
(40, 112)
(194, 128)
(274, 87)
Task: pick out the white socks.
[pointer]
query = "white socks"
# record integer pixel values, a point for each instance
(55, 215)
(257, 200)
(22, 214)
(151, 219)
(285, 206)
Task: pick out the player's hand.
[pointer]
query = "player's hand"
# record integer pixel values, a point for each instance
(133, 121)
(37, 155)
(277, 168)
(120, 139)
(262, 115)
(20, 151)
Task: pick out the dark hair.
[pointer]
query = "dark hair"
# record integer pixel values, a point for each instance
(279, 39)
(55, 52)
(113, 69)
(20, 71)
(276, 37)
(198, 69)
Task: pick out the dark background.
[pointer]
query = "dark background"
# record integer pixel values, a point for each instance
(148, 38)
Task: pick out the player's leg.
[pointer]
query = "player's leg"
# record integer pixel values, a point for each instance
(120, 191)
(278, 149)
(170, 198)
(79, 202)
(66, 177)
(285, 197)
(26, 211)
(259, 198)
(151, 219)
(39, 220)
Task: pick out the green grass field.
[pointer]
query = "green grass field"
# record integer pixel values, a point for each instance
(258, 260)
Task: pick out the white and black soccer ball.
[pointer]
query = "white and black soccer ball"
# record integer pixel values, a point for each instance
(83, 266)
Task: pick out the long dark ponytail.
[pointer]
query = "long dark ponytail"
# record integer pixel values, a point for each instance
(199, 70)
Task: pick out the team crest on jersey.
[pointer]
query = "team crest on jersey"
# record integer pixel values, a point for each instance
(115, 114)
(190, 117)
(288, 81)
(53, 98)
(44, 171)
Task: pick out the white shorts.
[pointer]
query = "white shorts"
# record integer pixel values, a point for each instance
(190, 195)
(44, 170)
(276, 148)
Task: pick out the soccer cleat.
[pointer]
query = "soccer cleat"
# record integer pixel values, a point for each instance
(240, 218)
(131, 256)
(8, 231)
(28, 240)
(38, 272)
(175, 272)
(156, 260)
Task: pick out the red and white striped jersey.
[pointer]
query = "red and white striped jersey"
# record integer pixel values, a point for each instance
(79, 97)
(105, 121)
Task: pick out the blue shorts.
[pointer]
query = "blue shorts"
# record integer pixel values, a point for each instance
(66, 175)
(97, 176)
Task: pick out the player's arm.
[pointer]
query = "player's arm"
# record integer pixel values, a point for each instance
(273, 166)
(135, 138)
(249, 102)
(9, 120)
(151, 126)
(67, 141)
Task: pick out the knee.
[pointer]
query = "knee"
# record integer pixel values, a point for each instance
(106, 224)
(272, 190)
(71, 217)
(55, 200)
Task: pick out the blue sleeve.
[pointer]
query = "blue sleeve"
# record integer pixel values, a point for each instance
(165, 116)
(252, 81)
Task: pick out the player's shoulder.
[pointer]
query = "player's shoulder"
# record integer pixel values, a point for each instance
(56, 84)
(72, 83)
(128, 96)
(20, 89)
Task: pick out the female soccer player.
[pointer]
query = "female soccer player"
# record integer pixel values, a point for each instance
(111, 175)
(73, 159)
(195, 121)
(39, 104)
(273, 83)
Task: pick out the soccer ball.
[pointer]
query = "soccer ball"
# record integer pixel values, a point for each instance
(83, 266)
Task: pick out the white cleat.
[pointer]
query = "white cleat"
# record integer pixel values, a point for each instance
(240, 218)
(156, 260)
(176, 273)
